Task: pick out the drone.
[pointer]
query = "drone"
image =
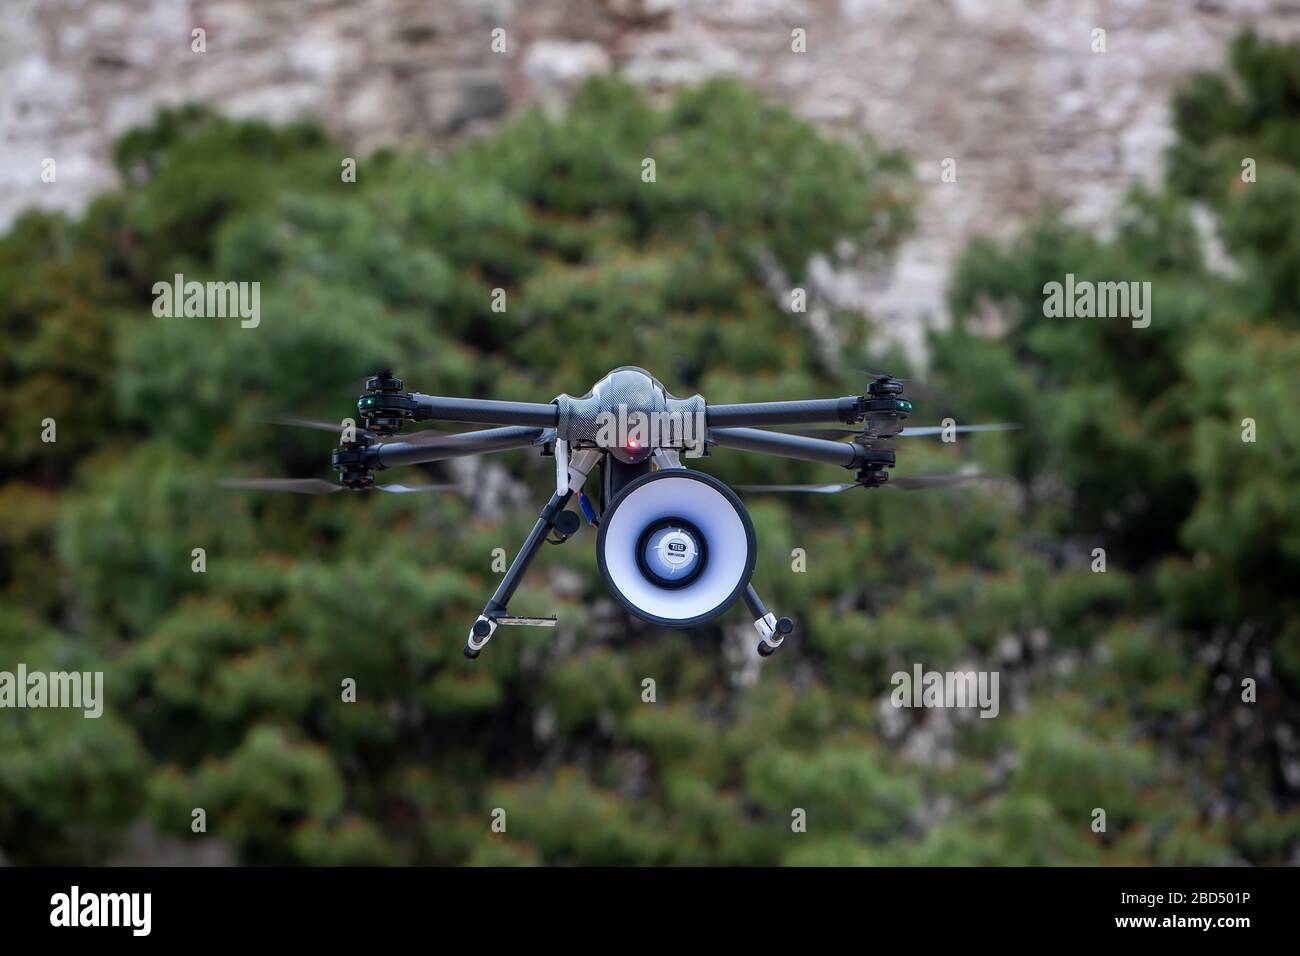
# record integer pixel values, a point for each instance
(675, 546)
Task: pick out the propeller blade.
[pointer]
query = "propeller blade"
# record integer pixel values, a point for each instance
(913, 387)
(877, 376)
(838, 434)
(318, 486)
(917, 482)
(411, 489)
(810, 489)
(303, 486)
(904, 483)
(296, 422)
(426, 438)
(908, 432)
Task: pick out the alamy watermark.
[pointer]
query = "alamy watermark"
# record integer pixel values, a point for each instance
(1084, 299)
(83, 690)
(75, 908)
(637, 430)
(939, 689)
(209, 300)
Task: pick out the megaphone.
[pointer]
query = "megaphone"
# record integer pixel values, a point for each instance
(676, 547)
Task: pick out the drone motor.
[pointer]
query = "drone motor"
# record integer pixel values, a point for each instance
(385, 406)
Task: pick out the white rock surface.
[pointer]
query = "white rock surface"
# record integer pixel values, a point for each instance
(1009, 88)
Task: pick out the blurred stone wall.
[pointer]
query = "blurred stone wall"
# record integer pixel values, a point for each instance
(1009, 89)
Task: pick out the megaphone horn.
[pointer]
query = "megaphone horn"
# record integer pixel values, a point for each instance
(676, 547)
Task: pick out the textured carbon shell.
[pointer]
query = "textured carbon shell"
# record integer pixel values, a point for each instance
(635, 388)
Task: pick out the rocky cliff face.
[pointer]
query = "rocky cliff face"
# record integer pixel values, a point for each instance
(1013, 91)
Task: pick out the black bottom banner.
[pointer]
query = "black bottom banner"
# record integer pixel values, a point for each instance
(240, 905)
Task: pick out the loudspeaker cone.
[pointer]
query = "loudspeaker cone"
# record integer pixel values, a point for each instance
(676, 547)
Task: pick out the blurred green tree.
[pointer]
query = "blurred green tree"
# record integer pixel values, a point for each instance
(227, 686)
(1176, 448)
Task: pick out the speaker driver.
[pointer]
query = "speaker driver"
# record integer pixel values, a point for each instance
(676, 547)
(672, 553)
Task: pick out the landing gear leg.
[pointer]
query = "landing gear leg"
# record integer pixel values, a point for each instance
(771, 629)
(570, 474)
(486, 624)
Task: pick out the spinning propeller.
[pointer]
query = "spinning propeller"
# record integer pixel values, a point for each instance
(382, 410)
(905, 483)
(429, 439)
(838, 434)
(319, 486)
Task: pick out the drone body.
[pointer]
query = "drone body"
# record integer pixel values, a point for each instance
(675, 546)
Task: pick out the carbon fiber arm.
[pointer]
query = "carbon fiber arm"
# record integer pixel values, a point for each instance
(455, 446)
(844, 454)
(847, 410)
(484, 411)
